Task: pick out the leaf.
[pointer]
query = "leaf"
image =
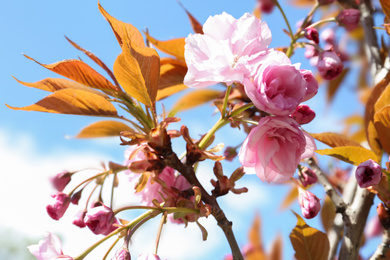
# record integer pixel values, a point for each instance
(276, 252)
(174, 47)
(385, 7)
(371, 108)
(203, 230)
(128, 73)
(309, 243)
(95, 59)
(74, 102)
(290, 198)
(172, 73)
(54, 84)
(328, 213)
(334, 85)
(103, 129)
(350, 154)
(122, 29)
(382, 126)
(196, 26)
(334, 139)
(255, 241)
(196, 98)
(80, 72)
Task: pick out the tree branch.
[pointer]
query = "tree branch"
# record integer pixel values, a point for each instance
(384, 248)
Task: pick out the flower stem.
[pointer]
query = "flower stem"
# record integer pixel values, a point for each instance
(163, 209)
(87, 180)
(163, 219)
(225, 101)
(331, 19)
(220, 123)
(292, 36)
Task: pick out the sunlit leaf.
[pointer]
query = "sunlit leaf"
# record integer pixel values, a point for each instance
(54, 84)
(129, 74)
(121, 29)
(350, 154)
(95, 59)
(196, 98)
(276, 252)
(174, 47)
(103, 129)
(359, 136)
(334, 139)
(196, 25)
(73, 101)
(382, 126)
(80, 72)
(256, 241)
(334, 85)
(303, 3)
(203, 230)
(309, 243)
(328, 213)
(290, 198)
(385, 7)
(171, 79)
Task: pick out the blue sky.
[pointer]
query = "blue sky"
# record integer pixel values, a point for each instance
(34, 145)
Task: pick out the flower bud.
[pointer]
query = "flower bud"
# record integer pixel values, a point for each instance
(383, 215)
(79, 219)
(328, 36)
(312, 34)
(310, 204)
(230, 153)
(266, 6)
(60, 180)
(329, 65)
(76, 197)
(303, 114)
(368, 173)
(48, 248)
(307, 177)
(59, 204)
(325, 2)
(122, 254)
(311, 84)
(100, 220)
(148, 257)
(349, 18)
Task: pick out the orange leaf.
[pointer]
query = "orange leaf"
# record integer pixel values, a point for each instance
(95, 59)
(256, 242)
(385, 7)
(196, 26)
(276, 252)
(54, 84)
(129, 74)
(80, 72)
(382, 126)
(328, 213)
(290, 198)
(334, 139)
(334, 85)
(196, 98)
(103, 129)
(171, 79)
(122, 29)
(309, 243)
(371, 108)
(174, 47)
(74, 102)
(350, 154)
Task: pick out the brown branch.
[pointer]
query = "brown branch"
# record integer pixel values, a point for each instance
(383, 248)
(171, 160)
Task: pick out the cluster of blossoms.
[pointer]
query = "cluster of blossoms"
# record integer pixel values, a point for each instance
(236, 51)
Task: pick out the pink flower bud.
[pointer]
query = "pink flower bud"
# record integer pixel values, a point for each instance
(311, 84)
(230, 153)
(308, 177)
(76, 197)
(79, 219)
(328, 36)
(100, 220)
(368, 173)
(325, 2)
(329, 65)
(303, 114)
(349, 18)
(60, 180)
(59, 204)
(122, 254)
(310, 204)
(312, 34)
(48, 248)
(266, 6)
(148, 257)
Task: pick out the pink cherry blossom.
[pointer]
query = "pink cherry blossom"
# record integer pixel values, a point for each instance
(222, 52)
(310, 204)
(308, 177)
(100, 220)
(122, 254)
(312, 84)
(60, 180)
(368, 173)
(48, 249)
(275, 147)
(148, 257)
(79, 219)
(329, 65)
(349, 18)
(58, 205)
(278, 86)
(303, 114)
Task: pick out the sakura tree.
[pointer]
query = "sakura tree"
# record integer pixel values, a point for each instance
(262, 97)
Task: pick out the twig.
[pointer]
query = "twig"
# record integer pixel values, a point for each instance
(383, 248)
